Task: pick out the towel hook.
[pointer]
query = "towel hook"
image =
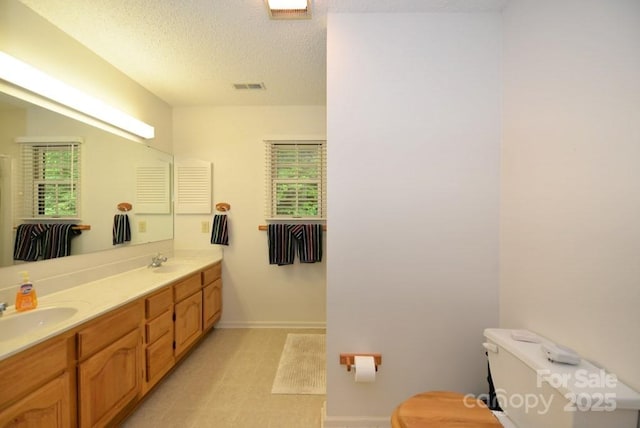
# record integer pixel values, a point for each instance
(124, 206)
(223, 207)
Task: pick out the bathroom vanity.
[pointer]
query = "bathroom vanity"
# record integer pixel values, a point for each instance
(90, 354)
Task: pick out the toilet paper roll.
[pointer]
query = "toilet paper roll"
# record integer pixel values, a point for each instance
(365, 369)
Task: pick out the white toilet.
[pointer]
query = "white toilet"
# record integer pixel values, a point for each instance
(532, 391)
(535, 392)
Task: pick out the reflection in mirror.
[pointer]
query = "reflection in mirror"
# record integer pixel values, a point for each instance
(108, 178)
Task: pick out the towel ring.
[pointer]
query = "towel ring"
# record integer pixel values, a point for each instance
(124, 206)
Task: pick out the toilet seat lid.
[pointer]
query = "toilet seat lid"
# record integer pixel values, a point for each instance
(443, 409)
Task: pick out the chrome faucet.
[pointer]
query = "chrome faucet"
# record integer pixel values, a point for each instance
(157, 260)
(3, 307)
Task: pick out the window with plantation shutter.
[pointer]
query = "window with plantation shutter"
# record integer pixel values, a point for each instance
(50, 177)
(296, 179)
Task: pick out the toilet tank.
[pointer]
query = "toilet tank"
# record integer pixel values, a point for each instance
(535, 392)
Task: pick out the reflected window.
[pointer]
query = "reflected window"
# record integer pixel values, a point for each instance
(51, 178)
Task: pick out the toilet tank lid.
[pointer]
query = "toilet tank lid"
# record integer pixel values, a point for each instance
(598, 386)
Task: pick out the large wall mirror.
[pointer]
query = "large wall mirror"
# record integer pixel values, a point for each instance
(108, 177)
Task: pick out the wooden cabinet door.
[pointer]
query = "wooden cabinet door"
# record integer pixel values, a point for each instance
(212, 303)
(188, 323)
(159, 358)
(48, 406)
(110, 380)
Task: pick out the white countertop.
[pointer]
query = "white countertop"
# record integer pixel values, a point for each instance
(98, 297)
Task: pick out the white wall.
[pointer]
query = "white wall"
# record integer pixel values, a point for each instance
(254, 293)
(570, 215)
(413, 119)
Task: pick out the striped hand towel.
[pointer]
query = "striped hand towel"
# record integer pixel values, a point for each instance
(121, 229)
(309, 242)
(280, 242)
(220, 231)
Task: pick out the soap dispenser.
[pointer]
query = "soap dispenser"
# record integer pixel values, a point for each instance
(26, 297)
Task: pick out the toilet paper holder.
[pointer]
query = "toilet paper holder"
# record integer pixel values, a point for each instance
(350, 359)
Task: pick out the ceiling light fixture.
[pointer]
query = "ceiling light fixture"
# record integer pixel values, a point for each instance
(289, 9)
(33, 80)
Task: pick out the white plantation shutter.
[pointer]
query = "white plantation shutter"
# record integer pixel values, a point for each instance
(50, 177)
(296, 179)
(153, 191)
(193, 187)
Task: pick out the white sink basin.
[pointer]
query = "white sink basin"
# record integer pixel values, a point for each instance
(21, 323)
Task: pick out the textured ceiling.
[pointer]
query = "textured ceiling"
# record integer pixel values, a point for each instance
(191, 52)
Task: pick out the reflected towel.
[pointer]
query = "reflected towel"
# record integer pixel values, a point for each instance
(121, 229)
(46, 241)
(280, 242)
(28, 242)
(220, 232)
(57, 240)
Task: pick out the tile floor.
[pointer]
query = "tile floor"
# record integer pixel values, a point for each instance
(226, 383)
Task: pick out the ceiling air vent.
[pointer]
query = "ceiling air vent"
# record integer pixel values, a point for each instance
(250, 86)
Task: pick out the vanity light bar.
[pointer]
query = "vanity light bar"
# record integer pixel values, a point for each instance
(27, 77)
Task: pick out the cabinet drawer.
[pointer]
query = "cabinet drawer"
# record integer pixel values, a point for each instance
(186, 287)
(158, 303)
(107, 329)
(211, 273)
(159, 356)
(159, 326)
(27, 370)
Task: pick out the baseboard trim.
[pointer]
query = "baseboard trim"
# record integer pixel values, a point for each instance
(271, 324)
(352, 421)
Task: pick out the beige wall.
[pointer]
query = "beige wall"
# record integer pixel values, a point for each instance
(570, 216)
(255, 293)
(413, 124)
